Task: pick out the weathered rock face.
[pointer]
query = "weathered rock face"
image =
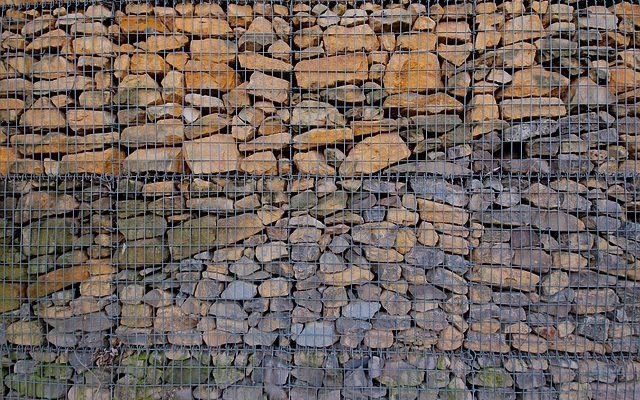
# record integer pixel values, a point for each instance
(325, 201)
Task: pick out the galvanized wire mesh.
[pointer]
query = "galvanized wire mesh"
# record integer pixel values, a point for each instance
(320, 200)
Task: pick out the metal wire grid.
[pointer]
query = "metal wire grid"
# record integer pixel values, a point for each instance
(155, 299)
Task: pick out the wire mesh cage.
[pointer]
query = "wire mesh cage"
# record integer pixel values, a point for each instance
(320, 200)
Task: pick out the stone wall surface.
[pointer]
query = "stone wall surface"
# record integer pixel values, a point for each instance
(320, 201)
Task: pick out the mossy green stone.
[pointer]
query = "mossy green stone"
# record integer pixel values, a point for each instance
(143, 253)
(186, 373)
(192, 237)
(47, 236)
(227, 376)
(493, 378)
(35, 386)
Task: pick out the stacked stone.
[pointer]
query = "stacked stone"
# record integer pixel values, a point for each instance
(205, 89)
(348, 267)
(186, 89)
(317, 201)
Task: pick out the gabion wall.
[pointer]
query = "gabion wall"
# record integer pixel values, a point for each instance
(301, 200)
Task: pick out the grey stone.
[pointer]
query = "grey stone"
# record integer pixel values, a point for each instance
(317, 334)
(425, 257)
(239, 290)
(361, 309)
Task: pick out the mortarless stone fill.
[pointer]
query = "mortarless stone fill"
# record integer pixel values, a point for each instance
(314, 201)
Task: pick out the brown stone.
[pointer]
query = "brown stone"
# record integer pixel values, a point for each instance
(321, 137)
(108, 162)
(52, 67)
(414, 103)
(351, 276)
(431, 211)
(162, 159)
(160, 43)
(213, 50)
(529, 343)
(450, 338)
(39, 204)
(400, 73)
(276, 141)
(484, 107)
(361, 38)
(456, 54)
(258, 62)
(204, 75)
(486, 39)
(536, 81)
(454, 30)
(268, 87)
(575, 344)
(52, 39)
(207, 125)
(517, 55)
(261, 163)
(138, 90)
(312, 163)
(164, 132)
(504, 277)
(327, 71)
(59, 143)
(10, 109)
(522, 28)
(213, 154)
(57, 280)
(532, 107)
(43, 115)
(94, 46)
(146, 63)
(422, 41)
(202, 26)
(8, 158)
(622, 79)
(140, 24)
(217, 338)
(11, 296)
(89, 120)
(374, 153)
(66, 84)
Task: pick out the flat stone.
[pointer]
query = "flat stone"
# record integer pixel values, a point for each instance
(532, 108)
(268, 87)
(536, 82)
(192, 237)
(361, 309)
(35, 205)
(373, 154)
(321, 72)
(234, 229)
(504, 277)
(522, 28)
(25, 333)
(213, 154)
(239, 290)
(162, 159)
(365, 39)
(586, 93)
(141, 227)
(396, 77)
(317, 334)
(401, 373)
(143, 253)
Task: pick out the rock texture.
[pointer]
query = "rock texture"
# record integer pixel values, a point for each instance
(320, 201)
